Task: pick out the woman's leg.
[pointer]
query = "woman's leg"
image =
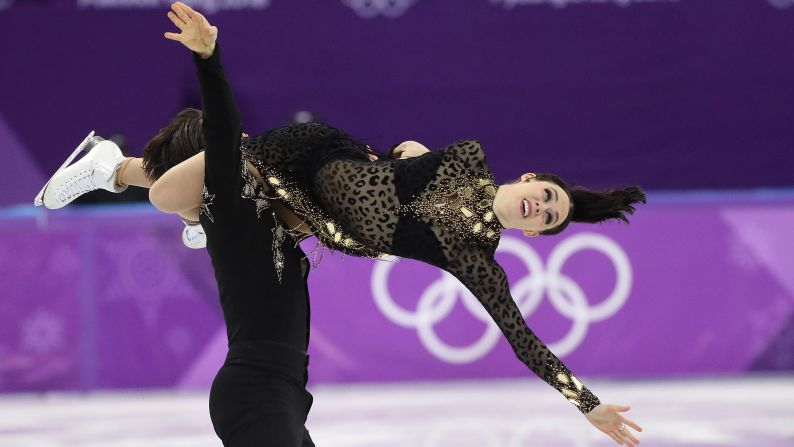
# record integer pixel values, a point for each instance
(180, 188)
(130, 172)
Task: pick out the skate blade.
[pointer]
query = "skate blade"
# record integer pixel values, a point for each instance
(39, 200)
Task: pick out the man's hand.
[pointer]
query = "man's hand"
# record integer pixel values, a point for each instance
(196, 32)
(408, 149)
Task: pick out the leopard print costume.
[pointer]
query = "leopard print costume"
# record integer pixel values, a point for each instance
(436, 208)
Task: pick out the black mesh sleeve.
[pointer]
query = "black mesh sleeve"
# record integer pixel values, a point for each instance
(486, 279)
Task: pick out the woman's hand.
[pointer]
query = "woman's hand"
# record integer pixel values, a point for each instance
(196, 32)
(608, 419)
(408, 149)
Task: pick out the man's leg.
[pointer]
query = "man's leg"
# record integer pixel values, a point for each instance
(307, 440)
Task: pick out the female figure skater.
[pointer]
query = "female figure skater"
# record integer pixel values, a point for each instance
(442, 208)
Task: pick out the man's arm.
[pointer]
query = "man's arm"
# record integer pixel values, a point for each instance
(196, 32)
(408, 149)
(221, 129)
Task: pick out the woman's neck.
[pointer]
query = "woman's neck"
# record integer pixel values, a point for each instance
(499, 197)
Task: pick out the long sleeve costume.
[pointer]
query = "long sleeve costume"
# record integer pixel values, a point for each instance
(259, 395)
(259, 302)
(436, 208)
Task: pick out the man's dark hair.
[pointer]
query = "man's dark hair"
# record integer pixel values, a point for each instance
(179, 140)
(595, 206)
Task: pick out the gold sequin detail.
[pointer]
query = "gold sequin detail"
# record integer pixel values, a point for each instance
(569, 393)
(462, 204)
(314, 217)
(580, 396)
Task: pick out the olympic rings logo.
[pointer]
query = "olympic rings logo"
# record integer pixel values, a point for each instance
(368, 9)
(565, 295)
(781, 4)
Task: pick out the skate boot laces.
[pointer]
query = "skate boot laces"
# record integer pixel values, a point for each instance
(81, 183)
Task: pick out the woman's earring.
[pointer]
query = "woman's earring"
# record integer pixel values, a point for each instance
(530, 233)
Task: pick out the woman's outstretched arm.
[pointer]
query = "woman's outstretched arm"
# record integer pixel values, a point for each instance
(486, 279)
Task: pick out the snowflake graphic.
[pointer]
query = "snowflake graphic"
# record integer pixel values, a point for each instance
(740, 256)
(42, 333)
(141, 274)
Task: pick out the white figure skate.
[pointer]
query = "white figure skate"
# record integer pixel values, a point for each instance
(97, 169)
(193, 236)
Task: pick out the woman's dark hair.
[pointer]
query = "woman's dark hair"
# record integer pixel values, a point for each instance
(595, 206)
(179, 140)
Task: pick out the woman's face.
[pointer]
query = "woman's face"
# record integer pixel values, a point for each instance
(531, 205)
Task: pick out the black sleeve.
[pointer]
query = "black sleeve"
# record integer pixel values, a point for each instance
(222, 133)
(486, 279)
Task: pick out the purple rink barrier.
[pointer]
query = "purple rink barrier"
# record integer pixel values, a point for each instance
(108, 298)
(672, 94)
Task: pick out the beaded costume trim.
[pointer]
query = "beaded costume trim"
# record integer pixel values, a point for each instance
(328, 231)
(464, 205)
(254, 190)
(572, 388)
(206, 202)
